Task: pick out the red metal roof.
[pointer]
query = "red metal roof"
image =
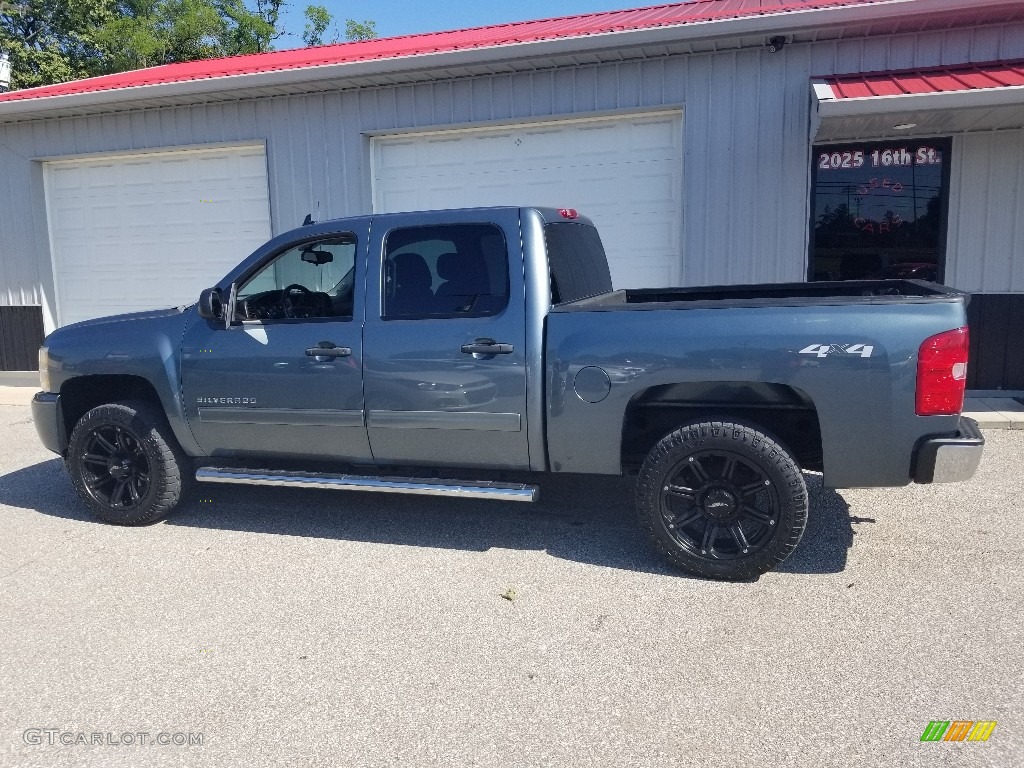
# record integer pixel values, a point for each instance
(969, 77)
(437, 42)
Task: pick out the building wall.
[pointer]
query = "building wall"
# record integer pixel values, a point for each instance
(986, 231)
(986, 246)
(746, 156)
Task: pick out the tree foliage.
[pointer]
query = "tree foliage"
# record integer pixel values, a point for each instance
(51, 41)
(360, 30)
(318, 19)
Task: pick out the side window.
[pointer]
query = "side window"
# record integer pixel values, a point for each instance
(312, 280)
(456, 270)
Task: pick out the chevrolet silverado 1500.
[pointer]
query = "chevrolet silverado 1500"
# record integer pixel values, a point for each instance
(409, 352)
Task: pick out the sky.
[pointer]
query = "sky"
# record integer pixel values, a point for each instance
(407, 17)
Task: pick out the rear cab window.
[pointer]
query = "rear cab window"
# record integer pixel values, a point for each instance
(576, 258)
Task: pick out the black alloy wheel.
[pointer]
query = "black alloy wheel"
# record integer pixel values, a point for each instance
(718, 505)
(125, 463)
(117, 471)
(722, 500)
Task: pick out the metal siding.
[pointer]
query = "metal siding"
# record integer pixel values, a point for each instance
(564, 88)
(541, 86)
(771, 134)
(462, 90)
(724, 123)
(746, 116)
(696, 208)
(986, 213)
(19, 276)
(746, 199)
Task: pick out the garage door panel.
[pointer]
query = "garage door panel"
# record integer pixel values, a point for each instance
(465, 168)
(651, 188)
(625, 173)
(400, 200)
(151, 230)
(403, 155)
(655, 133)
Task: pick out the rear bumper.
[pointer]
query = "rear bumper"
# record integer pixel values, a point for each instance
(49, 422)
(950, 459)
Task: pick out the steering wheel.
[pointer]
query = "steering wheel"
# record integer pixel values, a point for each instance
(286, 300)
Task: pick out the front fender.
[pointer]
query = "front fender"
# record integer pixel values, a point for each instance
(143, 345)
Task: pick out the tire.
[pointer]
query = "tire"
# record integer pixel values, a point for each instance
(125, 463)
(722, 500)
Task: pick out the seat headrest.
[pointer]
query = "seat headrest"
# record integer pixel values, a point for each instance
(451, 265)
(411, 270)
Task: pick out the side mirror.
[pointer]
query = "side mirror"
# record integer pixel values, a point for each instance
(210, 305)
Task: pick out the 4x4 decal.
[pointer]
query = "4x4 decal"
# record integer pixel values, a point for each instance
(824, 350)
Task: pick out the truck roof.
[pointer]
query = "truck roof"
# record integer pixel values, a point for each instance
(548, 214)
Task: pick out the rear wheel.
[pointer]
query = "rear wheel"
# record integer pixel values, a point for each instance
(125, 463)
(722, 500)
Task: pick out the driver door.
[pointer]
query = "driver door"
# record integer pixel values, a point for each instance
(285, 376)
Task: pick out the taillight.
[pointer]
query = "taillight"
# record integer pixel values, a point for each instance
(942, 373)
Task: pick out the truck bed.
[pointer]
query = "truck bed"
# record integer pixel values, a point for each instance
(852, 292)
(846, 350)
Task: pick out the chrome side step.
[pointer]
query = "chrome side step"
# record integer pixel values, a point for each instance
(463, 489)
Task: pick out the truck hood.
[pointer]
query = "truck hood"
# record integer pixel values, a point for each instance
(141, 344)
(149, 314)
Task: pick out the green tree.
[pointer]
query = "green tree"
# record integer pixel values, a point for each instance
(318, 19)
(51, 41)
(249, 32)
(360, 30)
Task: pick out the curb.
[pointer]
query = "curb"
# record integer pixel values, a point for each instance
(995, 412)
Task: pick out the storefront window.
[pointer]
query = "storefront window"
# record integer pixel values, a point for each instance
(879, 210)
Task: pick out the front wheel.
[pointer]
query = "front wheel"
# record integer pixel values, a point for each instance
(125, 463)
(722, 500)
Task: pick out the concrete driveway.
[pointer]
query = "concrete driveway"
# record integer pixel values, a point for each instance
(316, 628)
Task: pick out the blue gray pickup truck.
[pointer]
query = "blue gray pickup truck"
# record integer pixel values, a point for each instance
(447, 352)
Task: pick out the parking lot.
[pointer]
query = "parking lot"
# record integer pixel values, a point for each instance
(317, 628)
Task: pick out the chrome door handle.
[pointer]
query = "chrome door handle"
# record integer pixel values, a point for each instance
(487, 347)
(328, 349)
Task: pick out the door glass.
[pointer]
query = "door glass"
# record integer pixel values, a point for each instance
(458, 270)
(314, 280)
(879, 210)
(579, 267)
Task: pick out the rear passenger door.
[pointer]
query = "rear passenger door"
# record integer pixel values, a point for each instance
(444, 342)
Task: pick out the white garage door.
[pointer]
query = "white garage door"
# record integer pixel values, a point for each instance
(151, 230)
(625, 173)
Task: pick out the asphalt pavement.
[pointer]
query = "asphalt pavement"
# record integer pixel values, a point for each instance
(318, 628)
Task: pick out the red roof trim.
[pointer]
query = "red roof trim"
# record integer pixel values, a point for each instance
(582, 25)
(965, 77)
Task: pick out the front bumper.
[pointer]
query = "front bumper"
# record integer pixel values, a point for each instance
(950, 459)
(49, 421)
